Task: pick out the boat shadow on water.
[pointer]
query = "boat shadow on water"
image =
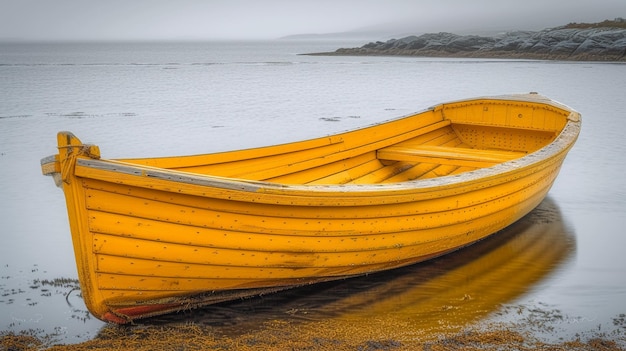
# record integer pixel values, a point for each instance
(443, 294)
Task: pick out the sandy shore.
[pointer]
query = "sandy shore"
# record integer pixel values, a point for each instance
(193, 337)
(323, 335)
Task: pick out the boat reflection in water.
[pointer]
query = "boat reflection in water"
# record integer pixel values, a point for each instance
(444, 294)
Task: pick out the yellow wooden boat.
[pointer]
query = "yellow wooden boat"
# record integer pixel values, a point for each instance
(158, 235)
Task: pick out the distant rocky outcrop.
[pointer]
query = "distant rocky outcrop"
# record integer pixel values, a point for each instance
(572, 42)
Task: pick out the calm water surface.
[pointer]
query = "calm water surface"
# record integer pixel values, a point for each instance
(565, 264)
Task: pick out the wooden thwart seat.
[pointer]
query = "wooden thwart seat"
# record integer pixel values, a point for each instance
(458, 156)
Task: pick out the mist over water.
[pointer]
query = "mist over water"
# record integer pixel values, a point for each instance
(156, 99)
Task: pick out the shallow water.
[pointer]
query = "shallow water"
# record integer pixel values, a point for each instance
(565, 260)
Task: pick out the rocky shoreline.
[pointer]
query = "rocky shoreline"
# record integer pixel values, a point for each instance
(571, 43)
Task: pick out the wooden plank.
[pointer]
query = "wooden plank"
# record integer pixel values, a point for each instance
(383, 173)
(317, 173)
(447, 155)
(182, 162)
(283, 166)
(349, 174)
(412, 173)
(434, 137)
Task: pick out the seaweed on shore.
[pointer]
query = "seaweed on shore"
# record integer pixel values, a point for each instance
(323, 335)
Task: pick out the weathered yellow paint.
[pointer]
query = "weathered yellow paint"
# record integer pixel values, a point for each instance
(157, 235)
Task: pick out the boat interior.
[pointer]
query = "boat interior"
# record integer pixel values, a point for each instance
(421, 146)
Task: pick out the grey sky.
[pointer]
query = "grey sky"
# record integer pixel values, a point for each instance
(268, 19)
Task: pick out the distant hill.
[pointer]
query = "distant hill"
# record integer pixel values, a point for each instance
(616, 23)
(603, 41)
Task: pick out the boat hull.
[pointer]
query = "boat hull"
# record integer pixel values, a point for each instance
(158, 235)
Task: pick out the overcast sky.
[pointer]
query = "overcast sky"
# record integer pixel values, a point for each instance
(269, 19)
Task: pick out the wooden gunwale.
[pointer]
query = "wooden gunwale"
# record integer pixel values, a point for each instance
(312, 195)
